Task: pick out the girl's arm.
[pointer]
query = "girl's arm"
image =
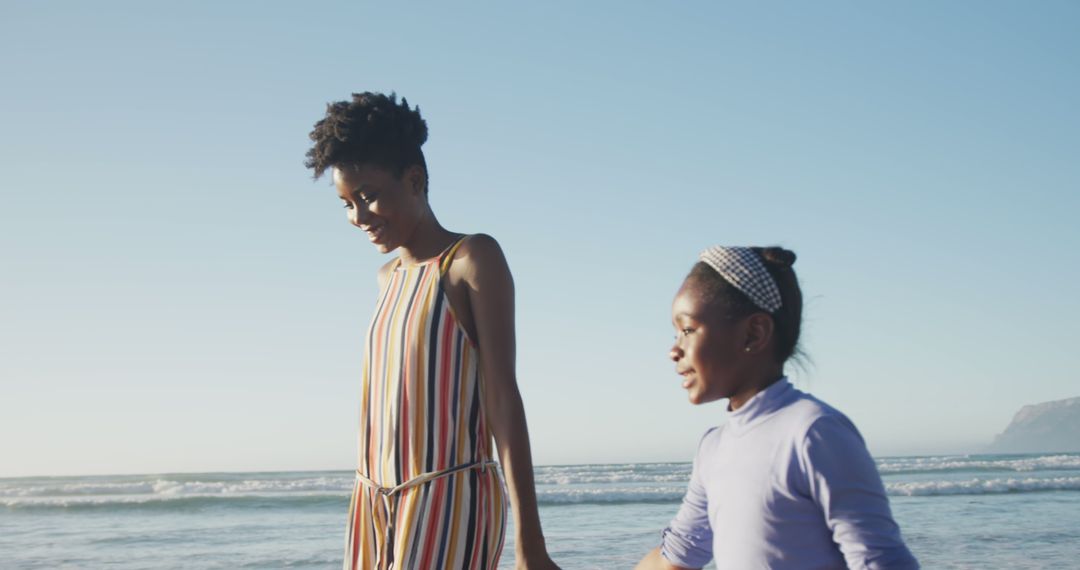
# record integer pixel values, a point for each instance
(843, 481)
(491, 297)
(688, 538)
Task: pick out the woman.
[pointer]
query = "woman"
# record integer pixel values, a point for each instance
(438, 376)
(787, 481)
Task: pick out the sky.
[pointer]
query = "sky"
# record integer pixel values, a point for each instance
(178, 294)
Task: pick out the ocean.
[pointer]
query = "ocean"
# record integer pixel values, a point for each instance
(969, 511)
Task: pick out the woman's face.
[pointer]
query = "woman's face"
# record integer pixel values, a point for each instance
(708, 349)
(388, 208)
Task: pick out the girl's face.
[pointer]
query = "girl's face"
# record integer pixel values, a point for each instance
(388, 208)
(709, 347)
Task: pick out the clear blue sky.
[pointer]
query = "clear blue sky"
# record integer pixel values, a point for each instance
(176, 294)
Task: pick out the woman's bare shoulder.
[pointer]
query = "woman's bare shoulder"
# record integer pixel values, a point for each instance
(479, 258)
(384, 272)
(480, 245)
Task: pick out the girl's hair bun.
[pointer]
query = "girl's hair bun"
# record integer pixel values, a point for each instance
(778, 256)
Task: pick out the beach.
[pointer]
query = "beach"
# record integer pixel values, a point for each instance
(972, 511)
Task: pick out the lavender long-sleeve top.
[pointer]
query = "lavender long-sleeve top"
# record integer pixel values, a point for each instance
(787, 482)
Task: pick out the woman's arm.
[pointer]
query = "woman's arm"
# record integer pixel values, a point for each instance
(486, 275)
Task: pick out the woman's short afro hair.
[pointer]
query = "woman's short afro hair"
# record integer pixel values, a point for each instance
(373, 129)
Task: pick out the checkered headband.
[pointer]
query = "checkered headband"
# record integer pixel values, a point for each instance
(744, 270)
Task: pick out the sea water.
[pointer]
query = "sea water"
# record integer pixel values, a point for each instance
(989, 511)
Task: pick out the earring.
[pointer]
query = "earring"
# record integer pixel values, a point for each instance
(748, 349)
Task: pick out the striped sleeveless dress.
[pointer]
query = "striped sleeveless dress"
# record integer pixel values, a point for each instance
(427, 495)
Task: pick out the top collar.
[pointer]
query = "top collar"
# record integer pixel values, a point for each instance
(762, 405)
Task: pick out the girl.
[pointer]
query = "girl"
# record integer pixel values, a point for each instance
(438, 373)
(787, 482)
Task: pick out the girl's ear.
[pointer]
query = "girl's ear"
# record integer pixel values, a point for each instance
(759, 332)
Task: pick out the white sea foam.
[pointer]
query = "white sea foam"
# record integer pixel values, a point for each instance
(101, 491)
(254, 486)
(76, 489)
(165, 501)
(614, 474)
(573, 484)
(984, 486)
(573, 495)
(1062, 462)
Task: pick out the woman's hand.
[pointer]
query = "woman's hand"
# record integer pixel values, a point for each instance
(536, 563)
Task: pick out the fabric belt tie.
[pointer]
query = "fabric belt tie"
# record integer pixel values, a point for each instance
(390, 507)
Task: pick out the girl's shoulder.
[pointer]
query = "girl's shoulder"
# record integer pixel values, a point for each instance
(710, 434)
(825, 435)
(808, 414)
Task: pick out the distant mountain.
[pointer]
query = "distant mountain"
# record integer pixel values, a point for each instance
(1039, 428)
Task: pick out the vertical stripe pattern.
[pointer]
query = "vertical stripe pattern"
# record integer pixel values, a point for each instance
(420, 413)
